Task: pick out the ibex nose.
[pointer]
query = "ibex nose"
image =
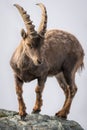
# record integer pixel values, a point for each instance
(39, 61)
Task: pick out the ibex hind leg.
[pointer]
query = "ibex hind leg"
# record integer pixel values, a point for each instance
(63, 84)
(69, 68)
(67, 83)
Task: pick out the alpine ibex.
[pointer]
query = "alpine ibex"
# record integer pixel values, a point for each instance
(45, 53)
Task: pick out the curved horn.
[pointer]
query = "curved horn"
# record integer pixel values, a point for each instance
(43, 24)
(27, 21)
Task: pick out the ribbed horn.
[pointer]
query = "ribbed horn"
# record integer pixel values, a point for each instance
(43, 24)
(26, 18)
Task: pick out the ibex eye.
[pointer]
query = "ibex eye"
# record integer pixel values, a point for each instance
(30, 46)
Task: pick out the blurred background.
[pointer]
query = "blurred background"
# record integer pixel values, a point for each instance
(67, 15)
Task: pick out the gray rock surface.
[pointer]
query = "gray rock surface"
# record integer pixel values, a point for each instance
(10, 120)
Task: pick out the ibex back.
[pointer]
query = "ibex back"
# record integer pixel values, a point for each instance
(46, 53)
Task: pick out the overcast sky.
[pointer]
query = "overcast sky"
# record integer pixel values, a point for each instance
(68, 15)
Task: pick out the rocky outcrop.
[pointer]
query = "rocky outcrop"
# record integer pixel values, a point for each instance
(10, 120)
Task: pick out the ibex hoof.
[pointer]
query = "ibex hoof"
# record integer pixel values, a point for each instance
(61, 115)
(35, 111)
(23, 117)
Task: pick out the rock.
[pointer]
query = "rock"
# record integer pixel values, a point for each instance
(10, 120)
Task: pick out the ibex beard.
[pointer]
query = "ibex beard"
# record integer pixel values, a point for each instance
(45, 53)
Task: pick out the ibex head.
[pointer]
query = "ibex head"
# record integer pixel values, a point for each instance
(33, 40)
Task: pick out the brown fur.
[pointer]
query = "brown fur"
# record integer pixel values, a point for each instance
(57, 54)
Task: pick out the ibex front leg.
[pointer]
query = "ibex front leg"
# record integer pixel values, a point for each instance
(39, 90)
(19, 91)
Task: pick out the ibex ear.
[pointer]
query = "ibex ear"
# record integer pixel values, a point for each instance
(23, 34)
